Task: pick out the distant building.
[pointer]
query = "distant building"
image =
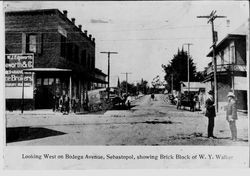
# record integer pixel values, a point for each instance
(101, 79)
(195, 87)
(61, 58)
(231, 54)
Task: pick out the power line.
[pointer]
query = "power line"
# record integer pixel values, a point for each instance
(121, 40)
(132, 30)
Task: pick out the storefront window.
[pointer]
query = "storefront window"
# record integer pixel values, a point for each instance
(51, 80)
(46, 81)
(57, 81)
(39, 81)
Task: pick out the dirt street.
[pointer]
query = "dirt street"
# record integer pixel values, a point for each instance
(149, 122)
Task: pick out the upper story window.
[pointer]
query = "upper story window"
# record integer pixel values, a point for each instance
(69, 50)
(31, 43)
(232, 53)
(63, 46)
(83, 57)
(76, 52)
(93, 63)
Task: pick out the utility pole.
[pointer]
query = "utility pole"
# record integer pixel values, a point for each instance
(108, 52)
(188, 44)
(126, 73)
(211, 19)
(172, 81)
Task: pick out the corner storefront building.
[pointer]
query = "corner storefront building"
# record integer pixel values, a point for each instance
(47, 55)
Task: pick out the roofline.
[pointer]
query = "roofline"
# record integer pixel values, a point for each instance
(32, 11)
(228, 37)
(101, 73)
(52, 11)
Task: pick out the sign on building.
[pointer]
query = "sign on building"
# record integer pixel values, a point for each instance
(14, 66)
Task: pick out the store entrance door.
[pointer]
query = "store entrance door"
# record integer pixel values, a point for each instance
(44, 97)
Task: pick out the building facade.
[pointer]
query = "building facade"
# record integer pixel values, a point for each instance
(231, 55)
(101, 79)
(63, 57)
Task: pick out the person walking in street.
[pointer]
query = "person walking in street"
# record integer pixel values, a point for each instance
(153, 96)
(128, 101)
(210, 113)
(231, 115)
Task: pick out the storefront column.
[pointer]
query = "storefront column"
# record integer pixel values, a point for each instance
(70, 92)
(22, 104)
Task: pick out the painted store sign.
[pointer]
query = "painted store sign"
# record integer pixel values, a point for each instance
(14, 66)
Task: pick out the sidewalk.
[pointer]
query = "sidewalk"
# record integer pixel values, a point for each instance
(33, 112)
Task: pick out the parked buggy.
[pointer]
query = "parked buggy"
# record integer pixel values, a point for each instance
(186, 101)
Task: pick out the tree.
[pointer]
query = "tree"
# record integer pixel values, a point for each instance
(134, 89)
(177, 69)
(131, 88)
(142, 86)
(200, 76)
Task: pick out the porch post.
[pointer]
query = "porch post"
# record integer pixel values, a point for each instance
(22, 105)
(70, 93)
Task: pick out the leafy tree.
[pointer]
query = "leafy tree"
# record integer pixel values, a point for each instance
(131, 88)
(142, 86)
(200, 76)
(177, 69)
(134, 89)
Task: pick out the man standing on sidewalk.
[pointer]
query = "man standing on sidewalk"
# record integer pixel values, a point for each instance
(210, 113)
(231, 115)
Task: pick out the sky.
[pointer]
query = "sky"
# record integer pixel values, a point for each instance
(147, 34)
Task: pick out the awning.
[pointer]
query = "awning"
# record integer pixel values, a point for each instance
(46, 70)
(97, 80)
(191, 89)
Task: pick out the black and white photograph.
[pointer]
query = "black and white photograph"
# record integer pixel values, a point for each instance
(127, 73)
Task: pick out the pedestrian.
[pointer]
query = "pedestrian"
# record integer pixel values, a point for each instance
(231, 115)
(61, 103)
(128, 101)
(179, 97)
(210, 113)
(66, 103)
(54, 103)
(153, 96)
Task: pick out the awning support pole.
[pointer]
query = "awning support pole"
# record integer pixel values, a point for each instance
(70, 93)
(22, 105)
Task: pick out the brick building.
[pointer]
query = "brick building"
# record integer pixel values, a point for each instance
(64, 57)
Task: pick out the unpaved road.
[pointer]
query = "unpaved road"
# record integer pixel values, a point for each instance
(150, 122)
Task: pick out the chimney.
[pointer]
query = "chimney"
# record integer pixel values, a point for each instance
(86, 32)
(90, 36)
(65, 12)
(80, 27)
(73, 20)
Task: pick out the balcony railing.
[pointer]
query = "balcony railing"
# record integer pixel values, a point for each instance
(225, 68)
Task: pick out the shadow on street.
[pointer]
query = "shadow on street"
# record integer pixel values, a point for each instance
(16, 134)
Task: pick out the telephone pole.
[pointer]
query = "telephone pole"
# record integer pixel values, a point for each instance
(126, 73)
(211, 19)
(172, 83)
(188, 44)
(108, 52)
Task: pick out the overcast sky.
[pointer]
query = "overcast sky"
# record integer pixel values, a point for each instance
(147, 34)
